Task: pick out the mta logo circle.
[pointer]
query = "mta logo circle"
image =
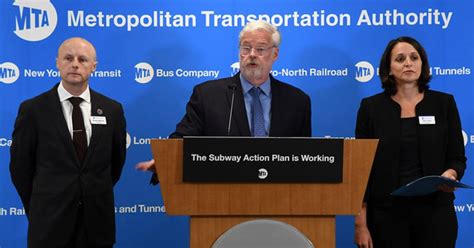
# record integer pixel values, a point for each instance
(364, 71)
(262, 173)
(235, 68)
(143, 73)
(128, 140)
(464, 136)
(9, 73)
(34, 20)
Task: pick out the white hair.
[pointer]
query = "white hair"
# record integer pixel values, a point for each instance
(261, 24)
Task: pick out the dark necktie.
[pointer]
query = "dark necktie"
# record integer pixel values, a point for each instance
(78, 129)
(258, 123)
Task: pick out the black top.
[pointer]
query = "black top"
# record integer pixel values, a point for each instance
(409, 163)
(440, 141)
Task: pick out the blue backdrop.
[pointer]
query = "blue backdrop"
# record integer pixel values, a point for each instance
(151, 54)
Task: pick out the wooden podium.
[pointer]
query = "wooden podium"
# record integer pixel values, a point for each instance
(309, 207)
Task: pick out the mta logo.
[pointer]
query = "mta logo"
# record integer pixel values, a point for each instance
(9, 73)
(35, 20)
(364, 71)
(465, 137)
(128, 140)
(262, 173)
(235, 68)
(143, 73)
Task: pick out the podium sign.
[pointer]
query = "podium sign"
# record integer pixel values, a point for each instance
(309, 207)
(250, 159)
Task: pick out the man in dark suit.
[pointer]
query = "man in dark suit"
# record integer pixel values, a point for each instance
(252, 103)
(67, 154)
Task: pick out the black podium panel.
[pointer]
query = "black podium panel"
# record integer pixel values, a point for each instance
(248, 159)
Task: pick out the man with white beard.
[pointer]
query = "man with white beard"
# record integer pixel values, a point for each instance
(251, 103)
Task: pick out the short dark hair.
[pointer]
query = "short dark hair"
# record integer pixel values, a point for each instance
(388, 82)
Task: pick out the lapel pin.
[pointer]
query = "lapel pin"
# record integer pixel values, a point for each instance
(99, 111)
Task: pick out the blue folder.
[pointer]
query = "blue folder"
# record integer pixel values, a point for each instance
(427, 185)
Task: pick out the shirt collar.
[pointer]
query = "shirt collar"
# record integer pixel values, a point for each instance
(64, 95)
(246, 85)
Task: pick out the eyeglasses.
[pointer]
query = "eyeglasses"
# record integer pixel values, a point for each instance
(259, 51)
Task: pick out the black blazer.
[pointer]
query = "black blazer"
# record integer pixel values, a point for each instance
(440, 145)
(49, 178)
(208, 110)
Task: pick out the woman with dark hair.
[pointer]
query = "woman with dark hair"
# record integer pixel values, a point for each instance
(419, 134)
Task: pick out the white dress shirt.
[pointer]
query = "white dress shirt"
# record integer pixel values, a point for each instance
(85, 107)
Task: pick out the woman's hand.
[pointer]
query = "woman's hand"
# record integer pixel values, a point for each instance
(451, 174)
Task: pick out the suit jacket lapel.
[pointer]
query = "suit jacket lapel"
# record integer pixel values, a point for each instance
(239, 115)
(277, 106)
(57, 116)
(97, 109)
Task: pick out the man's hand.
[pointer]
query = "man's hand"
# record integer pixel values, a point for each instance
(362, 237)
(146, 166)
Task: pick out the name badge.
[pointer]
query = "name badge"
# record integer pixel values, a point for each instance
(426, 120)
(98, 120)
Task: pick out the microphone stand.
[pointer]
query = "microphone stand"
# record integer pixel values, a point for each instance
(233, 87)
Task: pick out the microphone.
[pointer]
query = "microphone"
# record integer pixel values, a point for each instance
(233, 86)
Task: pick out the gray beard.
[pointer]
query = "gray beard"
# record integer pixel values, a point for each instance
(252, 73)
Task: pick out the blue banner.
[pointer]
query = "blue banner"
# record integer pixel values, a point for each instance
(152, 53)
